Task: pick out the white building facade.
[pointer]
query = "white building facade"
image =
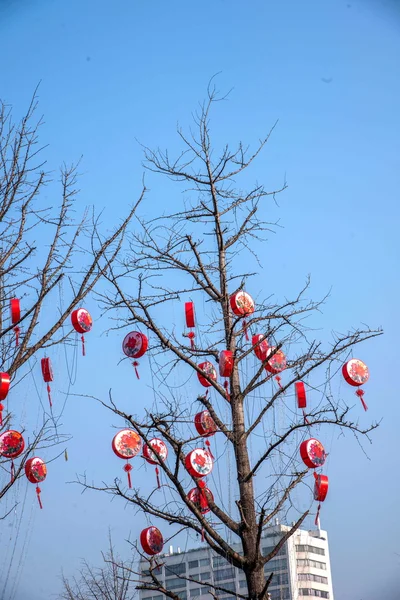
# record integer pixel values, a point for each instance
(301, 569)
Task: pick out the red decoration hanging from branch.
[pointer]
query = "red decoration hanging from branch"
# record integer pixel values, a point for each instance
(82, 322)
(149, 455)
(152, 540)
(4, 387)
(47, 373)
(15, 309)
(356, 373)
(225, 363)
(12, 445)
(260, 346)
(276, 363)
(313, 453)
(242, 304)
(205, 424)
(36, 472)
(190, 322)
(320, 492)
(134, 346)
(209, 370)
(199, 463)
(127, 444)
(301, 397)
(201, 496)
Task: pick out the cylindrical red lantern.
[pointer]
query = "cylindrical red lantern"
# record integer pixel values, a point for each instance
(301, 397)
(260, 345)
(313, 453)
(205, 424)
(320, 492)
(126, 444)
(47, 373)
(209, 370)
(201, 497)
(199, 463)
(4, 385)
(189, 314)
(356, 373)
(135, 345)
(225, 363)
(12, 445)
(82, 323)
(155, 444)
(15, 309)
(36, 472)
(152, 540)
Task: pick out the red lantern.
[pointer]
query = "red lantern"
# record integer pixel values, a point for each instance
(82, 323)
(320, 492)
(15, 309)
(205, 424)
(226, 368)
(276, 363)
(4, 387)
(356, 373)
(313, 453)
(260, 345)
(209, 370)
(135, 345)
(201, 496)
(199, 463)
(12, 445)
(36, 472)
(242, 304)
(127, 444)
(148, 454)
(190, 322)
(152, 540)
(47, 373)
(300, 390)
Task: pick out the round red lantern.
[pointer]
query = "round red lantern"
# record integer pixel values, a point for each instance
(12, 445)
(36, 472)
(209, 370)
(201, 496)
(127, 444)
(205, 424)
(149, 455)
(15, 309)
(313, 453)
(199, 463)
(135, 345)
(82, 323)
(260, 346)
(242, 304)
(277, 362)
(320, 492)
(225, 363)
(356, 373)
(152, 540)
(47, 373)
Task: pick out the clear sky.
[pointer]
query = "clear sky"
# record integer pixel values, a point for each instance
(115, 72)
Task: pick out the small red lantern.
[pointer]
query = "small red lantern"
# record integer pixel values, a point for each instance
(36, 472)
(190, 321)
(152, 540)
(199, 463)
(4, 387)
(356, 373)
(135, 345)
(226, 368)
(47, 373)
(127, 444)
(313, 453)
(82, 323)
(260, 345)
(242, 304)
(301, 397)
(15, 309)
(320, 492)
(276, 363)
(12, 445)
(205, 424)
(209, 370)
(148, 454)
(201, 496)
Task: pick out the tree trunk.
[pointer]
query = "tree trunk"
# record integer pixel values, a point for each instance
(256, 583)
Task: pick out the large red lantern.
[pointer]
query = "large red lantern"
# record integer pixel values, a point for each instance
(15, 309)
(82, 323)
(12, 445)
(226, 368)
(276, 363)
(313, 453)
(260, 346)
(205, 424)
(36, 472)
(127, 444)
(152, 540)
(321, 486)
(190, 322)
(356, 373)
(47, 373)
(4, 387)
(201, 496)
(209, 370)
(134, 346)
(242, 304)
(159, 446)
(199, 463)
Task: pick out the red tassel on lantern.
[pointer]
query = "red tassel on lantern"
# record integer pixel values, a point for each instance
(128, 469)
(38, 490)
(207, 443)
(360, 394)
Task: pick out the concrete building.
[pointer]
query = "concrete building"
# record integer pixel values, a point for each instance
(301, 569)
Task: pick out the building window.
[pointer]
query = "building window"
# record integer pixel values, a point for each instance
(195, 592)
(229, 586)
(177, 569)
(219, 561)
(242, 584)
(280, 579)
(173, 584)
(306, 562)
(311, 577)
(222, 574)
(205, 577)
(312, 549)
(268, 549)
(205, 590)
(276, 565)
(193, 564)
(281, 594)
(182, 595)
(312, 592)
(204, 562)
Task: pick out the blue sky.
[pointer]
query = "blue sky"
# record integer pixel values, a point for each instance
(115, 73)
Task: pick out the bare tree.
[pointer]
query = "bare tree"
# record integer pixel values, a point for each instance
(192, 254)
(45, 253)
